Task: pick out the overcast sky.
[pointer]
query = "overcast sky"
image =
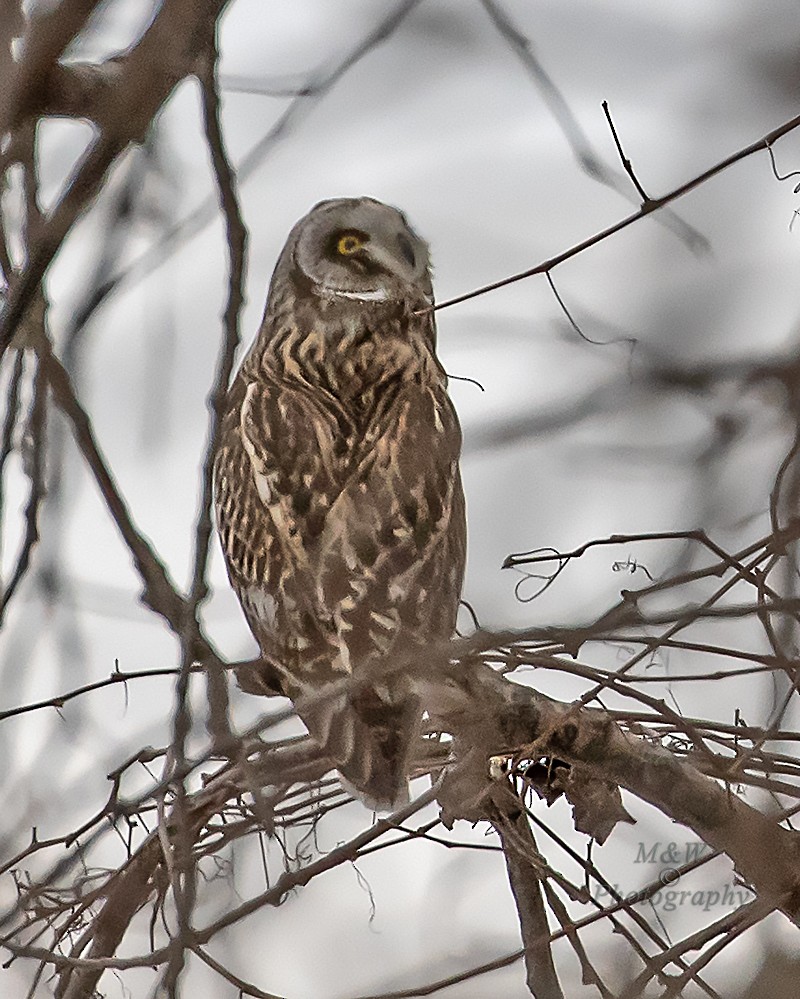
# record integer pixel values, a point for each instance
(568, 440)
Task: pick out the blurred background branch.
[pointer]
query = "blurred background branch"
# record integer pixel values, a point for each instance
(568, 738)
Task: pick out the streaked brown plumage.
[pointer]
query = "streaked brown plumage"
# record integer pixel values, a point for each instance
(338, 495)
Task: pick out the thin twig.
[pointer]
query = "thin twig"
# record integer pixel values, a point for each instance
(625, 161)
(646, 209)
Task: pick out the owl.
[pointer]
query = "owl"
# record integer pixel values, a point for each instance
(337, 488)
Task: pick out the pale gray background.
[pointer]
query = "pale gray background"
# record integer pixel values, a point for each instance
(442, 121)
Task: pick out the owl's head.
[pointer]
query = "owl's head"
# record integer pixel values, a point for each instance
(362, 249)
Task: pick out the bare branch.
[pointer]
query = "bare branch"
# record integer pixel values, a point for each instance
(646, 209)
(626, 163)
(160, 593)
(146, 77)
(46, 36)
(526, 876)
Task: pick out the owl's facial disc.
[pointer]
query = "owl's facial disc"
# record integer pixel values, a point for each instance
(362, 249)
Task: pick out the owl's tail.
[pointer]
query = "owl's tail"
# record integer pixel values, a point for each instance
(369, 733)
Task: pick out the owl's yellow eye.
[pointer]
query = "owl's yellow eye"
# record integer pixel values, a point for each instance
(349, 243)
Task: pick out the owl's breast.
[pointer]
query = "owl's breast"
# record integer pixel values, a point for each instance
(365, 361)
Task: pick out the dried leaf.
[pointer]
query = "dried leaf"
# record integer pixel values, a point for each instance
(596, 804)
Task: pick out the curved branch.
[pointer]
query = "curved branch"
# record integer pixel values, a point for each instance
(499, 716)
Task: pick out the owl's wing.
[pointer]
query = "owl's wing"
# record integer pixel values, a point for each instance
(362, 534)
(392, 550)
(291, 439)
(275, 480)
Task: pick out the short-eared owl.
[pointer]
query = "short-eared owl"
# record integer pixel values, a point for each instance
(338, 494)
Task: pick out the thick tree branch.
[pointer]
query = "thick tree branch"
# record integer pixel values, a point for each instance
(28, 80)
(525, 874)
(160, 592)
(504, 717)
(145, 78)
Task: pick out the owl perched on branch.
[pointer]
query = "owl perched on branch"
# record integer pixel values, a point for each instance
(337, 487)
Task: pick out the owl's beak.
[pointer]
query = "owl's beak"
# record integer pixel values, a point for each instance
(391, 263)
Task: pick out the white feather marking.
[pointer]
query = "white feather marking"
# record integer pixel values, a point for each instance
(262, 604)
(384, 620)
(259, 468)
(342, 660)
(378, 295)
